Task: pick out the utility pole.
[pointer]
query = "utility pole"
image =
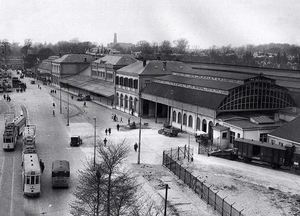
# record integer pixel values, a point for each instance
(95, 143)
(68, 119)
(60, 109)
(166, 199)
(140, 130)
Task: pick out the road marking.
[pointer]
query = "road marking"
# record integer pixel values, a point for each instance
(12, 187)
(2, 172)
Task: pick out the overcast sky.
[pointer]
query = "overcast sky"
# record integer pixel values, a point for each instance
(203, 23)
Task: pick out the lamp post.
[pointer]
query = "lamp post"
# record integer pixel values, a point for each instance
(98, 192)
(140, 130)
(166, 199)
(60, 108)
(95, 143)
(68, 117)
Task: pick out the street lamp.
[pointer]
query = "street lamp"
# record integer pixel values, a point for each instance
(68, 118)
(140, 130)
(166, 199)
(95, 143)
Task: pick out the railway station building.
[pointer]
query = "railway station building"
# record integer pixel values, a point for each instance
(231, 104)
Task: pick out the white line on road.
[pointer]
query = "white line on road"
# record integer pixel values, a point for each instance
(12, 187)
(2, 172)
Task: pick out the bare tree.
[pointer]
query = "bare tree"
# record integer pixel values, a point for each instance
(181, 45)
(107, 188)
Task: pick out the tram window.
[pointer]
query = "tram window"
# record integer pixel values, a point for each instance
(27, 179)
(32, 179)
(37, 180)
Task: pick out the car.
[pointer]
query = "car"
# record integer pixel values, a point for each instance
(75, 140)
(32, 81)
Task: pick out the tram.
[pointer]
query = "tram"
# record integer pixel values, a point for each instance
(31, 175)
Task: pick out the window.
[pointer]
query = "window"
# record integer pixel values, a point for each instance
(37, 180)
(27, 179)
(238, 135)
(263, 137)
(224, 135)
(190, 121)
(273, 142)
(198, 124)
(32, 179)
(204, 125)
(174, 116)
(179, 117)
(280, 143)
(184, 119)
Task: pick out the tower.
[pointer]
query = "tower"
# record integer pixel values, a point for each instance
(115, 38)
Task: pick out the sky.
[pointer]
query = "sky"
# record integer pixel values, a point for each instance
(203, 23)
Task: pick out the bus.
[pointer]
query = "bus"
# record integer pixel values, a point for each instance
(60, 173)
(31, 175)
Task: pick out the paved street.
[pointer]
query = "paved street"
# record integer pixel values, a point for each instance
(53, 136)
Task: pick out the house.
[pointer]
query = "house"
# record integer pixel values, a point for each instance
(69, 64)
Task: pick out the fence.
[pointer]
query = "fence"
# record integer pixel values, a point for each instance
(181, 153)
(199, 187)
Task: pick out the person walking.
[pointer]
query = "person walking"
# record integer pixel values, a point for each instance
(121, 120)
(118, 127)
(53, 113)
(105, 131)
(105, 141)
(109, 131)
(128, 121)
(42, 165)
(135, 147)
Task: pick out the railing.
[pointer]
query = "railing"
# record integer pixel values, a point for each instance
(199, 187)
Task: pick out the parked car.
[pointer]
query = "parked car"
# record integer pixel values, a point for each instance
(75, 140)
(32, 81)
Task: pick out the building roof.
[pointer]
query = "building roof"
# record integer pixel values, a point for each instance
(246, 124)
(154, 67)
(116, 60)
(289, 131)
(214, 84)
(260, 143)
(185, 95)
(221, 74)
(91, 84)
(74, 58)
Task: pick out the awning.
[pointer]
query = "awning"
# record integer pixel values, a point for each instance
(90, 84)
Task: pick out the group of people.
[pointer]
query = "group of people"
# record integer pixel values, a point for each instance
(53, 91)
(6, 97)
(108, 130)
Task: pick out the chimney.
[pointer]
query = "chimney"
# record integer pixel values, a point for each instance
(115, 38)
(144, 62)
(164, 65)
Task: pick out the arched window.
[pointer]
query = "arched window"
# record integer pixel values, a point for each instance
(117, 80)
(126, 101)
(174, 116)
(121, 100)
(198, 124)
(130, 103)
(184, 119)
(204, 125)
(135, 103)
(210, 130)
(118, 98)
(121, 81)
(179, 118)
(191, 121)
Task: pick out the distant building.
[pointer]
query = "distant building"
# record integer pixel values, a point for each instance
(69, 64)
(121, 44)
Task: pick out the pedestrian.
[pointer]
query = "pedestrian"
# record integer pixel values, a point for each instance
(53, 104)
(4, 96)
(135, 147)
(112, 115)
(121, 120)
(72, 97)
(84, 103)
(118, 127)
(53, 112)
(109, 131)
(55, 91)
(128, 121)
(38, 86)
(106, 131)
(105, 141)
(42, 165)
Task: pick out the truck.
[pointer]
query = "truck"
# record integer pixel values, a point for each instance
(170, 131)
(29, 139)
